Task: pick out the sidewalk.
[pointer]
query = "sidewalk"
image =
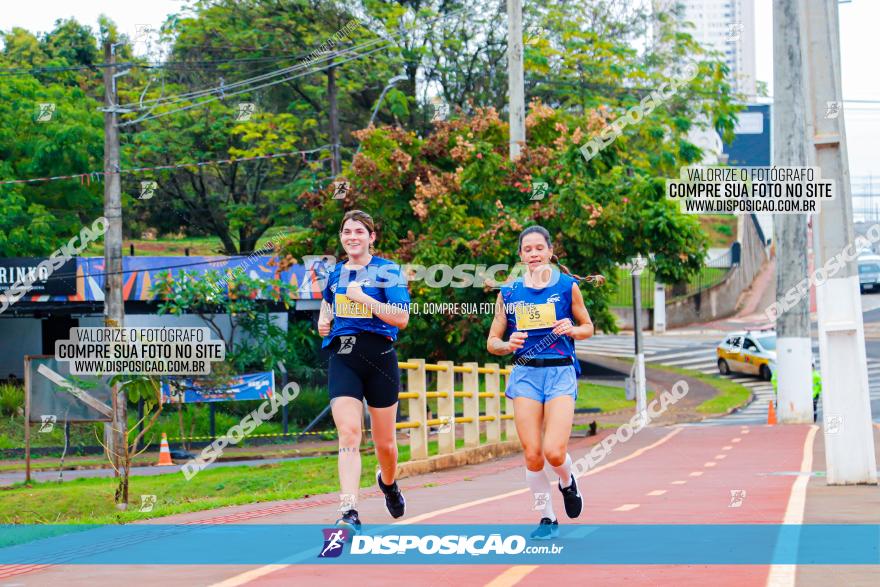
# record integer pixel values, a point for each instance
(664, 475)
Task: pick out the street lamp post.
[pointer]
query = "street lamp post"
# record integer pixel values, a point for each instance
(391, 83)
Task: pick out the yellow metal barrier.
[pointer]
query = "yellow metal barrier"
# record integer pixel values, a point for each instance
(495, 419)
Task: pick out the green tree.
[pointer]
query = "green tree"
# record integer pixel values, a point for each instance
(240, 201)
(455, 198)
(35, 218)
(254, 341)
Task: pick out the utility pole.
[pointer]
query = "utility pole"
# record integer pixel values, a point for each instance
(846, 407)
(114, 309)
(515, 78)
(333, 113)
(793, 348)
(638, 266)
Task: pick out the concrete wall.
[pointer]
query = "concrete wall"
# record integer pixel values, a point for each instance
(625, 318)
(721, 301)
(716, 302)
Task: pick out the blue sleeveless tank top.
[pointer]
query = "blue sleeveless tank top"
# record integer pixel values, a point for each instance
(541, 342)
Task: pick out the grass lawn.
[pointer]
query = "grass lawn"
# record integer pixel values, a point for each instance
(604, 397)
(719, 228)
(730, 394)
(90, 500)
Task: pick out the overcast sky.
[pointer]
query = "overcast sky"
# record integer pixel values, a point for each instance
(860, 48)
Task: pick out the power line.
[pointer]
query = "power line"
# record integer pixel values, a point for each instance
(97, 174)
(250, 89)
(327, 56)
(224, 88)
(58, 276)
(156, 65)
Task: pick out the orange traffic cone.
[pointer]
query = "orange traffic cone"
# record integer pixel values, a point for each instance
(164, 453)
(771, 413)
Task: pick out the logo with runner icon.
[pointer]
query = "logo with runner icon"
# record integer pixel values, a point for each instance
(334, 539)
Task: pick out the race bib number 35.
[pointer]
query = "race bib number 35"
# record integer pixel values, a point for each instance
(535, 316)
(345, 308)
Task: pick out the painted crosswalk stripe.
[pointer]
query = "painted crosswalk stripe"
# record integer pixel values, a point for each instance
(691, 361)
(674, 356)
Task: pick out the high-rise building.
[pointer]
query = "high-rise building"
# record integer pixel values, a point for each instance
(726, 26)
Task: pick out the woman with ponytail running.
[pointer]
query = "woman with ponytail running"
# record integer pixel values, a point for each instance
(541, 314)
(365, 304)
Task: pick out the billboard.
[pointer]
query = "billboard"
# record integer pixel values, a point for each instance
(27, 270)
(751, 147)
(53, 394)
(188, 390)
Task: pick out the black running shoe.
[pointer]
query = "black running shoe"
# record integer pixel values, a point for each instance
(545, 530)
(350, 520)
(393, 498)
(574, 503)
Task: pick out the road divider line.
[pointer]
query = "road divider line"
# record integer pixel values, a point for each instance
(511, 576)
(254, 574)
(784, 575)
(600, 468)
(248, 576)
(626, 507)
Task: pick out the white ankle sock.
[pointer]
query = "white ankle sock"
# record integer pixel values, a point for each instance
(539, 484)
(564, 471)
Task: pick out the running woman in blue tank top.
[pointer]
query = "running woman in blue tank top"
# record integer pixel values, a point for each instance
(541, 314)
(365, 305)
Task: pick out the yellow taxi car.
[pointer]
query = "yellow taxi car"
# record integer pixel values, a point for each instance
(748, 352)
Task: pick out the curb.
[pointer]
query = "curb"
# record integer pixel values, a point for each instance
(470, 456)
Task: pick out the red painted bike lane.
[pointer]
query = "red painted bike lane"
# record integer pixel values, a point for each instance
(685, 476)
(662, 476)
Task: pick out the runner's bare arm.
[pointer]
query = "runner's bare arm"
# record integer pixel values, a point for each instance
(494, 344)
(584, 329)
(325, 318)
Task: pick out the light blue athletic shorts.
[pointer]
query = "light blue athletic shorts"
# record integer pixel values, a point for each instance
(542, 383)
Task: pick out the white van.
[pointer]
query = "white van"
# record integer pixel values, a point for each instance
(869, 272)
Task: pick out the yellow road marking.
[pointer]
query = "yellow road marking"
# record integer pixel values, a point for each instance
(455, 508)
(254, 574)
(511, 576)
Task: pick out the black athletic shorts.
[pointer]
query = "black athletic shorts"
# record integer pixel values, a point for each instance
(364, 365)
